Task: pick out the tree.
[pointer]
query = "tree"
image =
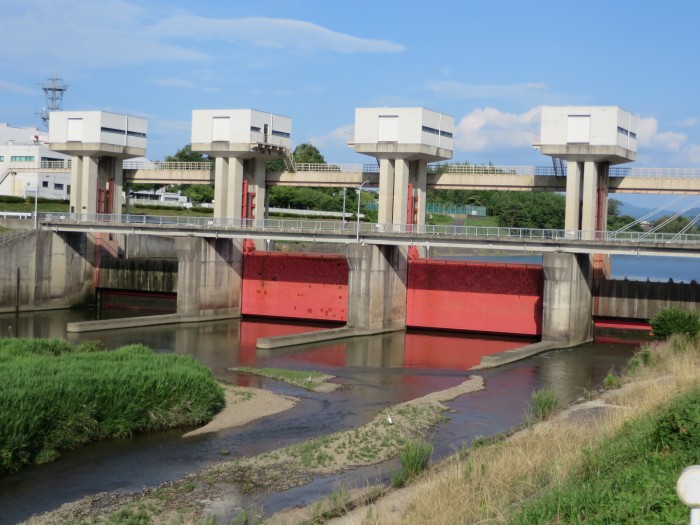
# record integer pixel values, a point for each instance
(185, 154)
(303, 154)
(194, 192)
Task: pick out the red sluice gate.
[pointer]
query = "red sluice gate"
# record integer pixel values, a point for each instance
(295, 286)
(476, 297)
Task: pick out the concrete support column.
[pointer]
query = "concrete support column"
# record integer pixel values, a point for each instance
(573, 197)
(386, 192)
(590, 199)
(567, 309)
(76, 184)
(401, 177)
(377, 287)
(259, 189)
(118, 182)
(210, 274)
(603, 169)
(421, 191)
(88, 187)
(228, 187)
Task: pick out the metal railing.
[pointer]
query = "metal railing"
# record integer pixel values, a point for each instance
(14, 235)
(167, 166)
(350, 228)
(337, 168)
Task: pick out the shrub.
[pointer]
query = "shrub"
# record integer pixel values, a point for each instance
(56, 396)
(611, 381)
(674, 320)
(543, 403)
(414, 459)
(678, 427)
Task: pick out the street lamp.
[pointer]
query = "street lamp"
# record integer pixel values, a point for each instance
(36, 203)
(359, 199)
(344, 191)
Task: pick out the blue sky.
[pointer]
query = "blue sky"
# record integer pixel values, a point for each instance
(489, 64)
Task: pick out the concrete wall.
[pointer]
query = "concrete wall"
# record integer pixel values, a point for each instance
(148, 246)
(625, 299)
(142, 275)
(52, 271)
(239, 126)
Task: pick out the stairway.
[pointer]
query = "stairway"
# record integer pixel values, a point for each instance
(559, 167)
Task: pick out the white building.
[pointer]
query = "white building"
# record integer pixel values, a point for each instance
(26, 163)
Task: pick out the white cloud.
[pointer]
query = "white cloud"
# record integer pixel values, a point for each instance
(174, 82)
(16, 88)
(114, 33)
(335, 138)
(689, 122)
(488, 129)
(648, 136)
(457, 90)
(275, 33)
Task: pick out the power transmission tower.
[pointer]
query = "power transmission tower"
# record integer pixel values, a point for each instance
(53, 88)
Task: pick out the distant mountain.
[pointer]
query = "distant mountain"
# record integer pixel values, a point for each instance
(633, 211)
(637, 211)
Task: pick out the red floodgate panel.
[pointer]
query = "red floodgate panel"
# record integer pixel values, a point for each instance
(477, 297)
(295, 286)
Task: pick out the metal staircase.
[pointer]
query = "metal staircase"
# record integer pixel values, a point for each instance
(289, 160)
(559, 167)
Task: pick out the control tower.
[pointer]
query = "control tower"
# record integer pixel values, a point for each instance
(241, 142)
(590, 139)
(403, 140)
(98, 143)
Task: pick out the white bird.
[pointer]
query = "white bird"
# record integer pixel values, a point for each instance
(308, 379)
(389, 420)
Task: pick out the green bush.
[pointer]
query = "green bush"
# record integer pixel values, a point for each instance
(543, 403)
(57, 396)
(678, 427)
(414, 459)
(674, 320)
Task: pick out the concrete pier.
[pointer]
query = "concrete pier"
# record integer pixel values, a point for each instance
(567, 309)
(209, 276)
(377, 287)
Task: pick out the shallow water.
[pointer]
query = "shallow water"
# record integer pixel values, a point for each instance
(375, 371)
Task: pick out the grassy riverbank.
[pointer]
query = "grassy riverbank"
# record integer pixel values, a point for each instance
(614, 459)
(56, 396)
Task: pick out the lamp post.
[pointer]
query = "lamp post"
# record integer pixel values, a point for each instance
(359, 199)
(36, 202)
(344, 191)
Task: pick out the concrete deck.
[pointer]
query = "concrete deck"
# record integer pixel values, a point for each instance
(135, 322)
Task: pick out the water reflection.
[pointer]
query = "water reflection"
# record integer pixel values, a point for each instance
(375, 371)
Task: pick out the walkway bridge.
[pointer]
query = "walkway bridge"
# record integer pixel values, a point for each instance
(429, 236)
(678, 181)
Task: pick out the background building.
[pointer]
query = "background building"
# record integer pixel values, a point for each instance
(27, 164)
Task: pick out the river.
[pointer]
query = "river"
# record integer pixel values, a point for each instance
(375, 372)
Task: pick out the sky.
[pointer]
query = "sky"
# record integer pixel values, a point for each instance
(491, 65)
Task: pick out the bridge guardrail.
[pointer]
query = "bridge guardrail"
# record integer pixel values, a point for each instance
(350, 228)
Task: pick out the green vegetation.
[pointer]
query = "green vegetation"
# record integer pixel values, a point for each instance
(57, 396)
(675, 320)
(632, 477)
(543, 403)
(414, 459)
(309, 380)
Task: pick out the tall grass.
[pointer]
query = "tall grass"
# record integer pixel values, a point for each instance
(54, 396)
(562, 457)
(414, 459)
